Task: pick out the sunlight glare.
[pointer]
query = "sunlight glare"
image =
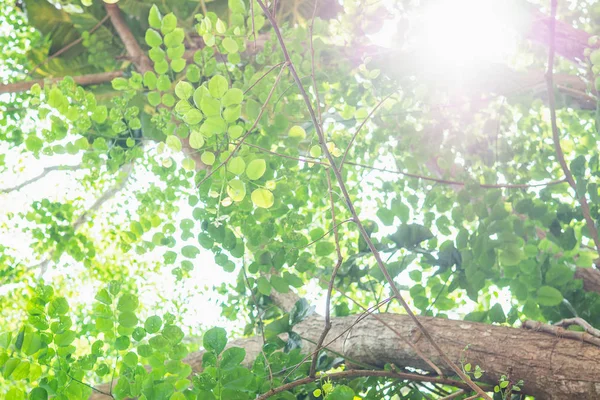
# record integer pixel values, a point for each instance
(457, 33)
(467, 32)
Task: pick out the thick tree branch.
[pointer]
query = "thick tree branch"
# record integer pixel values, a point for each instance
(137, 56)
(549, 365)
(83, 80)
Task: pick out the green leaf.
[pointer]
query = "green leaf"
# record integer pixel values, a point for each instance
(154, 17)
(207, 158)
(33, 143)
(174, 143)
(128, 319)
(496, 314)
(232, 357)
(262, 198)
(184, 90)
(190, 251)
(210, 107)
(411, 235)
(214, 340)
(236, 190)
(178, 65)
(168, 23)
(103, 297)
(193, 117)
(476, 316)
(324, 248)
(173, 334)
(196, 139)
(120, 84)
(64, 339)
(230, 45)
(236, 166)
(38, 394)
(549, 296)
(256, 169)
(301, 310)
(153, 38)
(315, 151)
(58, 306)
(279, 284)
(264, 287)
(218, 86)
(128, 302)
(233, 96)
(174, 38)
(297, 132)
(153, 324)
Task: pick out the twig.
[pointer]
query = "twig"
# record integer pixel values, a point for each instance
(263, 75)
(127, 170)
(565, 323)
(68, 46)
(45, 172)
(459, 183)
(363, 231)
(561, 333)
(454, 395)
(361, 126)
(262, 331)
(364, 373)
(408, 342)
(304, 160)
(312, 61)
(359, 318)
(585, 208)
(237, 147)
(323, 235)
(327, 327)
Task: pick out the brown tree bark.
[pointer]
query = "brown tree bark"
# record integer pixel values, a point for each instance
(552, 368)
(83, 80)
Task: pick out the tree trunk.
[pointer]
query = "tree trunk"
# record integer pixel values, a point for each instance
(551, 367)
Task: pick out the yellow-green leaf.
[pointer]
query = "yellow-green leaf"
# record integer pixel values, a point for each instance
(262, 198)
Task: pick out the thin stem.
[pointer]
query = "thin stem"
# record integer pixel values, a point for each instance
(68, 46)
(363, 231)
(365, 373)
(408, 342)
(361, 126)
(263, 75)
(305, 160)
(237, 147)
(260, 321)
(312, 61)
(459, 183)
(585, 208)
(327, 328)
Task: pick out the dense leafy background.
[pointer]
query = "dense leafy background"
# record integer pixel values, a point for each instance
(156, 184)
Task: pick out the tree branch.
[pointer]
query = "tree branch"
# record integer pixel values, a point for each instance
(45, 172)
(585, 208)
(551, 375)
(83, 80)
(137, 56)
(363, 231)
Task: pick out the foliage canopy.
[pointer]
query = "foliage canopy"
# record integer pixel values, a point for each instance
(304, 159)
